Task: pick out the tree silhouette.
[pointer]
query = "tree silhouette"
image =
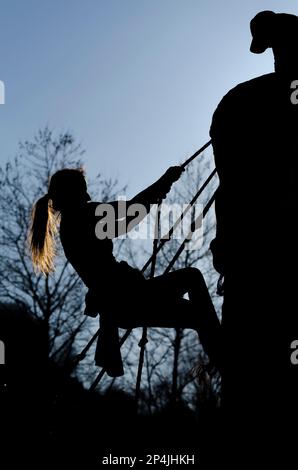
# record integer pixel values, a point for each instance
(57, 299)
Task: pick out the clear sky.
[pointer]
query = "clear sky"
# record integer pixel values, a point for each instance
(136, 81)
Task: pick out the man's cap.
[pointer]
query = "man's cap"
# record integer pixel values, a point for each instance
(269, 28)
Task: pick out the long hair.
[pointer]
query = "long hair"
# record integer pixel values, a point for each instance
(44, 226)
(66, 187)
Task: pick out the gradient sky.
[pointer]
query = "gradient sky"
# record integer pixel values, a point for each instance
(136, 81)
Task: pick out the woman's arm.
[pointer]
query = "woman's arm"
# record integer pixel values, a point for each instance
(140, 205)
(159, 189)
(128, 214)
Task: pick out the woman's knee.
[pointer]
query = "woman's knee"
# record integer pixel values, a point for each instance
(188, 279)
(194, 274)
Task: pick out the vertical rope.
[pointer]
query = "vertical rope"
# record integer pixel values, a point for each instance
(144, 339)
(156, 248)
(169, 267)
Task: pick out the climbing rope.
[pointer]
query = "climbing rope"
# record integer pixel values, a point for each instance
(168, 236)
(144, 339)
(167, 270)
(157, 246)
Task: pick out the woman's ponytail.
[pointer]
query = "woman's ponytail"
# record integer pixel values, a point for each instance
(42, 235)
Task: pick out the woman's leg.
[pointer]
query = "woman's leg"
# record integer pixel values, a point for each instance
(199, 312)
(161, 304)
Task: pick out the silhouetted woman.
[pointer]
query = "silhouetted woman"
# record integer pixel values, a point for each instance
(120, 293)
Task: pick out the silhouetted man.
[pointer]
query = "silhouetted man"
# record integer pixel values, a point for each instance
(255, 139)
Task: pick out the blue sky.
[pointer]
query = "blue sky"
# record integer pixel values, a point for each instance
(136, 81)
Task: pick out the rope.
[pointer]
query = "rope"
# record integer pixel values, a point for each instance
(188, 237)
(83, 353)
(168, 236)
(144, 339)
(196, 154)
(169, 267)
(156, 248)
(152, 258)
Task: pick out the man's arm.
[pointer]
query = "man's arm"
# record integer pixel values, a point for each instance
(221, 133)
